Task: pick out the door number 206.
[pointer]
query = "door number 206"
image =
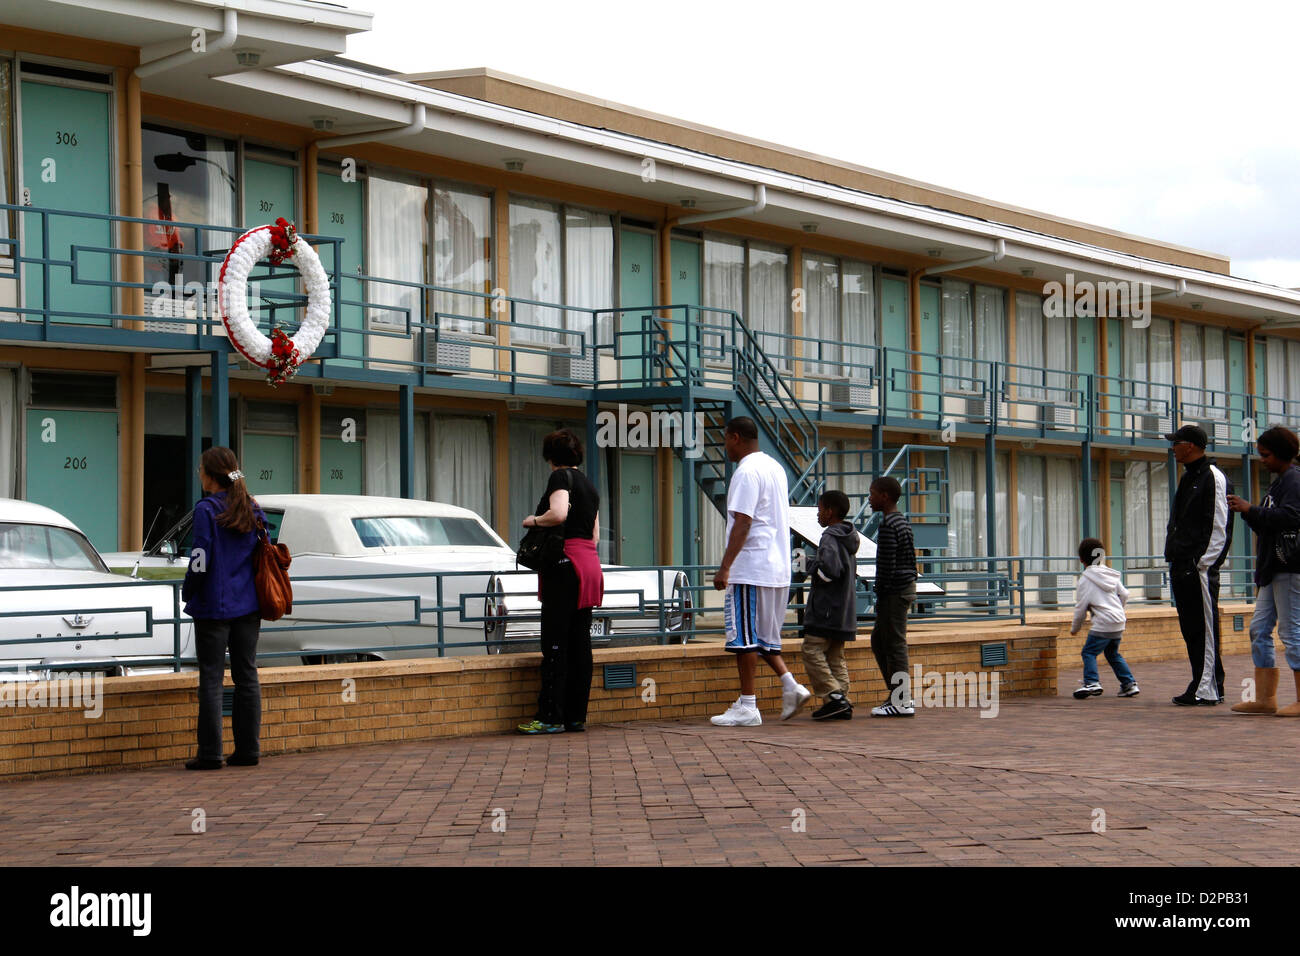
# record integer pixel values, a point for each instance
(74, 463)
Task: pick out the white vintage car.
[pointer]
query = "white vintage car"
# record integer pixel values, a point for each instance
(61, 609)
(384, 558)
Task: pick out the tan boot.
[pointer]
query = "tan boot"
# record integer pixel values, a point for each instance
(1293, 710)
(1265, 701)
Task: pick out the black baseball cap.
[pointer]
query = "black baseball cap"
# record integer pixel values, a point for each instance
(1192, 433)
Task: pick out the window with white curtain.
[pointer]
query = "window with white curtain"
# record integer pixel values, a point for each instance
(396, 246)
(968, 503)
(1148, 361)
(1281, 380)
(462, 255)
(562, 255)
(839, 313)
(383, 452)
(1146, 509)
(973, 326)
(752, 279)
(1045, 352)
(463, 463)
(529, 474)
(1204, 364)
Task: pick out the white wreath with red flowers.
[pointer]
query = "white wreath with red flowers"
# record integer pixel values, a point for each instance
(280, 355)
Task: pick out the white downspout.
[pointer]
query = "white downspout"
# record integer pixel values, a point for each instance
(982, 260)
(229, 34)
(1177, 293)
(393, 132)
(757, 206)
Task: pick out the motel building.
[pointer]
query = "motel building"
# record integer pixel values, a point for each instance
(506, 258)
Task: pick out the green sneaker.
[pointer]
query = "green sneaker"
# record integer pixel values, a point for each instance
(537, 727)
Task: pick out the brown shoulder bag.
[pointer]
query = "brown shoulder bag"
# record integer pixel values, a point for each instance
(271, 576)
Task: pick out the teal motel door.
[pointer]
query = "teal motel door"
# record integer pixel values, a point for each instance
(1114, 422)
(1237, 390)
(339, 207)
(67, 164)
(270, 464)
(685, 257)
(268, 194)
(894, 337)
(636, 290)
(72, 467)
(1085, 332)
(636, 508)
(342, 456)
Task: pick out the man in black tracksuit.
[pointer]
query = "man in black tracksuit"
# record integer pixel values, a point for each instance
(1196, 544)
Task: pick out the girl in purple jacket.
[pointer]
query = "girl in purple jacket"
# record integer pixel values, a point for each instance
(221, 597)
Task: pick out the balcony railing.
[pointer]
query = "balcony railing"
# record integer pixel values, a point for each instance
(63, 278)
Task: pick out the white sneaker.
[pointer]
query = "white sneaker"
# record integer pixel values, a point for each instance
(893, 710)
(738, 715)
(793, 700)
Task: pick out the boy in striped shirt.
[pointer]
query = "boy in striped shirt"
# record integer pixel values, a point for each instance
(895, 592)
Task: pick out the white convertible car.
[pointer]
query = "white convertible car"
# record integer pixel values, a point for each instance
(61, 609)
(385, 557)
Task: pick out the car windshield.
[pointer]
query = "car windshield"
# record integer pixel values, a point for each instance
(417, 531)
(182, 534)
(39, 546)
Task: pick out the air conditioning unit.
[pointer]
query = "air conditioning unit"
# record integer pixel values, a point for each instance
(1151, 582)
(574, 367)
(850, 394)
(978, 408)
(1059, 417)
(1153, 426)
(1219, 430)
(1048, 596)
(163, 308)
(448, 353)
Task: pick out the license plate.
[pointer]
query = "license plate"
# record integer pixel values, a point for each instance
(599, 627)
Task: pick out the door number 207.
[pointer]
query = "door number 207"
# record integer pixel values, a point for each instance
(74, 463)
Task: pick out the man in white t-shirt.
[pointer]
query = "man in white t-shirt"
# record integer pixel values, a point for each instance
(755, 572)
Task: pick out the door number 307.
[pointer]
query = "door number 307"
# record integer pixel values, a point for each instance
(74, 463)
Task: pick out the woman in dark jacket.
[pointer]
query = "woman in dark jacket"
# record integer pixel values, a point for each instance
(569, 591)
(1278, 598)
(221, 597)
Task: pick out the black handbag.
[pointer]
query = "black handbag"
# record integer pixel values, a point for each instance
(1287, 549)
(542, 549)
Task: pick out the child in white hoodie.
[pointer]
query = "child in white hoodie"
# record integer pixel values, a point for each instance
(1102, 591)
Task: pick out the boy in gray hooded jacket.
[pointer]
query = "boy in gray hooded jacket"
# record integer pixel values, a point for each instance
(831, 617)
(1101, 590)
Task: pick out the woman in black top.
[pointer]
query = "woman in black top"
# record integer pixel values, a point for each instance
(569, 591)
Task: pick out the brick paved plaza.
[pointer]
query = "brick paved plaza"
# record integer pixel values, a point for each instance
(1177, 786)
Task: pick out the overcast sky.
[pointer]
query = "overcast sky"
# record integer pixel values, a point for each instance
(1174, 121)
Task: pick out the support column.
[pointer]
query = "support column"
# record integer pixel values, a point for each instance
(594, 453)
(690, 553)
(220, 399)
(311, 444)
(1085, 477)
(501, 207)
(501, 454)
(133, 266)
(193, 431)
(991, 507)
(135, 453)
(406, 430)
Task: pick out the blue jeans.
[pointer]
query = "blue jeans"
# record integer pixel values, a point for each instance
(1109, 645)
(1277, 603)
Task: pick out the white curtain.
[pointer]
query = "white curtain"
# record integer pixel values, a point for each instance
(1162, 360)
(1292, 391)
(1058, 348)
(1031, 509)
(589, 272)
(1030, 352)
(769, 300)
(962, 506)
(8, 432)
(1135, 362)
(990, 327)
(462, 464)
(384, 455)
(1159, 486)
(1216, 363)
(821, 284)
(1063, 491)
(6, 138)
(724, 288)
(396, 233)
(713, 531)
(535, 268)
(528, 472)
(462, 255)
(857, 317)
(1192, 357)
(1275, 373)
(958, 335)
(1138, 510)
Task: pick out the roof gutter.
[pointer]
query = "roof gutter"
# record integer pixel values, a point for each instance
(374, 136)
(1176, 293)
(757, 206)
(996, 256)
(224, 41)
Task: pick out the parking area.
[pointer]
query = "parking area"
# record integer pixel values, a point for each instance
(1047, 781)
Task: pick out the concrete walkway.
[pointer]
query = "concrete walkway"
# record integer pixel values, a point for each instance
(1172, 786)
